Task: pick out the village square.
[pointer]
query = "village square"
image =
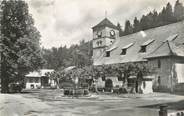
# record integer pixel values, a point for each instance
(132, 70)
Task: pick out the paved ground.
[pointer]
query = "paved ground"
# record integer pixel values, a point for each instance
(52, 103)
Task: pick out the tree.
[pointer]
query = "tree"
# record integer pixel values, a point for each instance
(155, 19)
(144, 22)
(120, 29)
(150, 20)
(136, 25)
(169, 13)
(178, 11)
(20, 45)
(128, 28)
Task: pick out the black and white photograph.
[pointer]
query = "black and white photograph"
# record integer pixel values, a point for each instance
(91, 57)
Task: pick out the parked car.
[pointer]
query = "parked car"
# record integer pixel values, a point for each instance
(15, 87)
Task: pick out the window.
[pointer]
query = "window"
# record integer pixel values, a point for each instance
(159, 63)
(100, 42)
(123, 51)
(158, 80)
(31, 80)
(143, 49)
(107, 53)
(36, 80)
(97, 43)
(99, 34)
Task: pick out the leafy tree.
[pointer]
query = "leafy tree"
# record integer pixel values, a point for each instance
(20, 45)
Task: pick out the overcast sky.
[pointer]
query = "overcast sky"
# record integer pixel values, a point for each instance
(66, 22)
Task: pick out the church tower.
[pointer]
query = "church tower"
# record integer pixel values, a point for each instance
(104, 34)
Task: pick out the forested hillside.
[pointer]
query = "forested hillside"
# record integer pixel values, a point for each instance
(166, 16)
(78, 55)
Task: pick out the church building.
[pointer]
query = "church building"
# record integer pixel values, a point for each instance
(162, 48)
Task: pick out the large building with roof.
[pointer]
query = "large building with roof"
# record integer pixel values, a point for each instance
(162, 48)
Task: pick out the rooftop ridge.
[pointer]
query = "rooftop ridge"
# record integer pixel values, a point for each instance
(105, 22)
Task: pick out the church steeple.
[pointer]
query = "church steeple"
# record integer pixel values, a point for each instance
(104, 34)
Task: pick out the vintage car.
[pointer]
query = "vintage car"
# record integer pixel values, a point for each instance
(15, 87)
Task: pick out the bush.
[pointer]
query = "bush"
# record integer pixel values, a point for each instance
(116, 90)
(100, 89)
(86, 92)
(123, 90)
(108, 89)
(66, 92)
(79, 92)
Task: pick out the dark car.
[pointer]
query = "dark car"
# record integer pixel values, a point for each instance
(15, 87)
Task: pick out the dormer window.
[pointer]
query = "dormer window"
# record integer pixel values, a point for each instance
(107, 53)
(143, 49)
(123, 52)
(145, 44)
(124, 49)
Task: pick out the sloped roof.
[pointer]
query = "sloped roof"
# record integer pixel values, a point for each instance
(167, 48)
(159, 35)
(105, 23)
(39, 73)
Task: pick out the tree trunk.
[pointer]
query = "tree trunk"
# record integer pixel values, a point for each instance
(4, 84)
(4, 76)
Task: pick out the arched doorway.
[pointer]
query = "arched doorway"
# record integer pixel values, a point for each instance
(108, 85)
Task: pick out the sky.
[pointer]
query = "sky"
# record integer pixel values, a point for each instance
(67, 22)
